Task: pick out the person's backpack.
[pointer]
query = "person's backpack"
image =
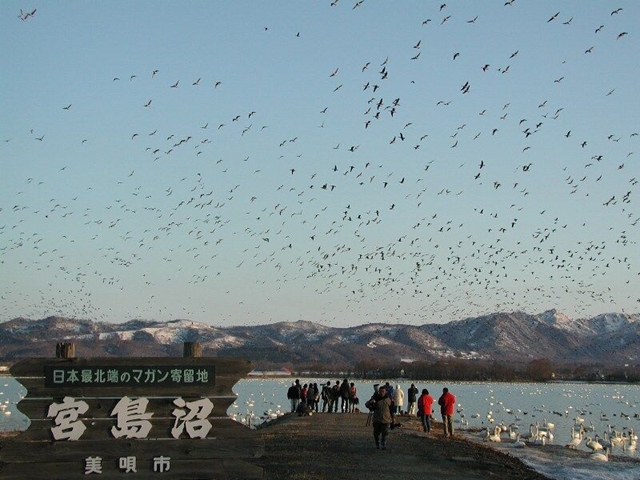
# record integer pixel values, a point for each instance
(371, 404)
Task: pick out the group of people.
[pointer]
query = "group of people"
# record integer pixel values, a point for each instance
(306, 398)
(384, 405)
(386, 402)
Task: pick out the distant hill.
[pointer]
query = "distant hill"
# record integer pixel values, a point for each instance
(612, 338)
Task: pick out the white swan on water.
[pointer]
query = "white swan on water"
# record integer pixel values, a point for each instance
(633, 444)
(633, 441)
(548, 425)
(533, 430)
(534, 436)
(579, 433)
(616, 438)
(593, 444)
(539, 440)
(495, 437)
(518, 443)
(600, 456)
(574, 443)
(533, 433)
(545, 432)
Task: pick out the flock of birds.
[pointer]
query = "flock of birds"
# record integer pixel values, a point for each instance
(542, 434)
(385, 217)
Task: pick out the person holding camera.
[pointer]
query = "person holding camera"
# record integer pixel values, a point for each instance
(383, 417)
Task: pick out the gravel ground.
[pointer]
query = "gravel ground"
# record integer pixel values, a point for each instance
(341, 446)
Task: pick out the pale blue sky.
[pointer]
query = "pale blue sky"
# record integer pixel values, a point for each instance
(386, 162)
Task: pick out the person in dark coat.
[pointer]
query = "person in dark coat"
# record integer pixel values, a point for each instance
(344, 396)
(293, 394)
(412, 394)
(383, 416)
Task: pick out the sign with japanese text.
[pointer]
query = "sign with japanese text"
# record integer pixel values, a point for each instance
(132, 420)
(168, 376)
(112, 418)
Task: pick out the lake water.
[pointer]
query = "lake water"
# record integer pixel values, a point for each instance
(600, 408)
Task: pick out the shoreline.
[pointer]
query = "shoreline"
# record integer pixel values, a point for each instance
(336, 445)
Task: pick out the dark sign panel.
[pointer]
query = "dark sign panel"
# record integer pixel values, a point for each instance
(130, 417)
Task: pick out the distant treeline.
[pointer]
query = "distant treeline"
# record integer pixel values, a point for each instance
(539, 370)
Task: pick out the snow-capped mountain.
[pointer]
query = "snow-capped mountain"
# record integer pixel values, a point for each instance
(515, 336)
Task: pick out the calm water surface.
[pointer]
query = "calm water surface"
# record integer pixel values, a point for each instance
(601, 408)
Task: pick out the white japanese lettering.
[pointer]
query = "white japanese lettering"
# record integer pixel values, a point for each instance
(161, 464)
(92, 465)
(128, 464)
(132, 421)
(65, 416)
(193, 419)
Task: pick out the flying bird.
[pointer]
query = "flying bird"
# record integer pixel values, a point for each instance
(553, 17)
(24, 16)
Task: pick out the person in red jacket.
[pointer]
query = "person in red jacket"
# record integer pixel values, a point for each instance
(447, 402)
(425, 409)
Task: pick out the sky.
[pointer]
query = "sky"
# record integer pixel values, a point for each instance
(340, 162)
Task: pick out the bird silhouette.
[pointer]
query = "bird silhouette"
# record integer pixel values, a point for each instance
(553, 17)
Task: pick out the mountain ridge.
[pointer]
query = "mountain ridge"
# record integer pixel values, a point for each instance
(501, 336)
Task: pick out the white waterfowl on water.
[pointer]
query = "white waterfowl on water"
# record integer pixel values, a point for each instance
(533, 433)
(600, 456)
(574, 443)
(576, 437)
(593, 444)
(579, 433)
(631, 443)
(616, 439)
(539, 440)
(545, 432)
(495, 437)
(518, 443)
